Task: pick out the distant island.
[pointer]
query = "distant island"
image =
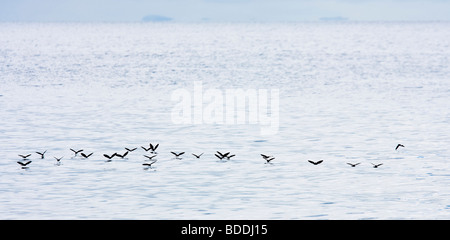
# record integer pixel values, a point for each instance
(156, 18)
(333, 19)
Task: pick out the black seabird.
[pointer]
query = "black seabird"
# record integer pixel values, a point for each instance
(76, 151)
(130, 150)
(353, 164)
(399, 145)
(24, 156)
(42, 154)
(221, 155)
(109, 157)
(123, 155)
(376, 165)
(316, 163)
(86, 156)
(149, 165)
(146, 149)
(24, 164)
(177, 155)
(197, 156)
(58, 159)
(153, 148)
(150, 157)
(269, 159)
(230, 156)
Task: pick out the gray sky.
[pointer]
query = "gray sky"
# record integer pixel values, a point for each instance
(224, 10)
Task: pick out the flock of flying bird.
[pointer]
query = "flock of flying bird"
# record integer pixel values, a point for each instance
(152, 150)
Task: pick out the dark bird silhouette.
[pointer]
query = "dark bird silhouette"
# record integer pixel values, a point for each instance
(24, 156)
(221, 155)
(24, 164)
(153, 148)
(265, 156)
(146, 149)
(76, 151)
(42, 154)
(123, 155)
(109, 157)
(230, 156)
(150, 157)
(316, 163)
(58, 159)
(177, 155)
(149, 165)
(130, 150)
(399, 145)
(269, 159)
(197, 156)
(353, 164)
(86, 156)
(376, 165)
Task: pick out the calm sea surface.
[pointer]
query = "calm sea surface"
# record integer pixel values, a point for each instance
(348, 93)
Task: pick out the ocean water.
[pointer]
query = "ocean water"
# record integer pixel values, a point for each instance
(348, 92)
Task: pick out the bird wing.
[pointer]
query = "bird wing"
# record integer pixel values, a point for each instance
(264, 156)
(320, 161)
(220, 157)
(311, 162)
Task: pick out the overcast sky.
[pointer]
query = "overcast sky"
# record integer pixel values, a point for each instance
(224, 10)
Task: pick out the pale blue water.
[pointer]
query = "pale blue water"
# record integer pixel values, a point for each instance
(349, 92)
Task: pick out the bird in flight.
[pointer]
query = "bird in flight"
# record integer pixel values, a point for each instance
(221, 155)
(58, 159)
(24, 164)
(315, 163)
(153, 148)
(150, 157)
(123, 155)
(76, 151)
(376, 165)
(267, 158)
(146, 149)
(230, 156)
(399, 145)
(42, 154)
(108, 156)
(197, 156)
(130, 149)
(353, 164)
(86, 156)
(177, 155)
(24, 156)
(149, 165)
